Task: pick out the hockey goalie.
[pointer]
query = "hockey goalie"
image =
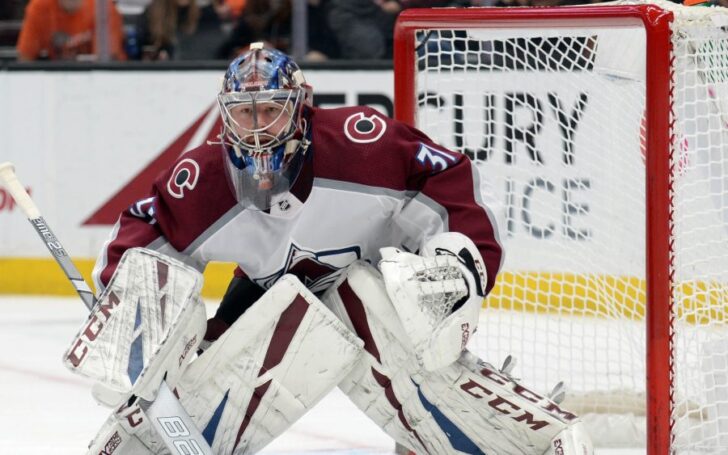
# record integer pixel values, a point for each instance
(364, 252)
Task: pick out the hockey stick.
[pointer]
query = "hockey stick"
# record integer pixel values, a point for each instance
(167, 415)
(22, 198)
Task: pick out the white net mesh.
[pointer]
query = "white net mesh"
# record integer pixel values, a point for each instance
(700, 287)
(555, 118)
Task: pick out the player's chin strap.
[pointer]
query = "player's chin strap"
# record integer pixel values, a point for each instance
(437, 295)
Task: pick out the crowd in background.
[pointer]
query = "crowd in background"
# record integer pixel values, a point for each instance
(154, 30)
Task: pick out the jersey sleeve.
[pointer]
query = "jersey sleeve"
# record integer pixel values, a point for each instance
(138, 226)
(440, 189)
(449, 184)
(184, 202)
(457, 189)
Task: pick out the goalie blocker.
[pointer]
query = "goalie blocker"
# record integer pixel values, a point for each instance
(142, 330)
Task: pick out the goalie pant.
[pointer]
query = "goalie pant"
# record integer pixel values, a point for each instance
(467, 407)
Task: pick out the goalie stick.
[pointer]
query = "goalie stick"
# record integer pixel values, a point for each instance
(167, 415)
(26, 204)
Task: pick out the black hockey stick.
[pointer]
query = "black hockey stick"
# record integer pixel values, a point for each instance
(169, 418)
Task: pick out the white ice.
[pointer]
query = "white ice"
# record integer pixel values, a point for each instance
(44, 409)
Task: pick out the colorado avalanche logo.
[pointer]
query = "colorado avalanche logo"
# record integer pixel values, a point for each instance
(317, 270)
(185, 175)
(362, 129)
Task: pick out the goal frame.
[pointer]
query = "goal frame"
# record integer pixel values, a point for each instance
(659, 139)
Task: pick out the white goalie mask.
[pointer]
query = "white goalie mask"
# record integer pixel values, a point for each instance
(265, 133)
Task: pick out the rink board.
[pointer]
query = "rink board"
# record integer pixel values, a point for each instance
(82, 141)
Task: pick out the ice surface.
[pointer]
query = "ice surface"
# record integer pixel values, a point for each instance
(47, 410)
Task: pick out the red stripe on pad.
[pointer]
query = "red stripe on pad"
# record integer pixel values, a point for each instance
(358, 316)
(252, 406)
(286, 328)
(162, 274)
(386, 383)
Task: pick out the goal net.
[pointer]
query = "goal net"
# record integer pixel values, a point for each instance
(602, 132)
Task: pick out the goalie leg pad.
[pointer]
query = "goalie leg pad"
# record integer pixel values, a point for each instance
(574, 440)
(282, 356)
(467, 407)
(381, 384)
(126, 432)
(145, 325)
(157, 427)
(506, 416)
(360, 300)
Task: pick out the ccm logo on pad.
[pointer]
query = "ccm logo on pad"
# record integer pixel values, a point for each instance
(185, 175)
(488, 391)
(102, 313)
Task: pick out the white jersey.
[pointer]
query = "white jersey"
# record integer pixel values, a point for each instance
(368, 182)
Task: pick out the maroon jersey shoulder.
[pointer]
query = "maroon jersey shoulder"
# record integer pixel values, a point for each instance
(192, 194)
(361, 145)
(186, 199)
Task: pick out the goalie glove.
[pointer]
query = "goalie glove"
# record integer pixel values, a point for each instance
(437, 295)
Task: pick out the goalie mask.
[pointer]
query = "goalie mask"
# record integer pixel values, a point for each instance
(265, 130)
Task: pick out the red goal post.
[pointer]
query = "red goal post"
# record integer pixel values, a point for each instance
(415, 69)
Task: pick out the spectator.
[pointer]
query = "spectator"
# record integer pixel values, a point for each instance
(181, 30)
(11, 13)
(272, 24)
(65, 30)
(321, 42)
(229, 9)
(364, 28)
(11, 9)
(261, 20)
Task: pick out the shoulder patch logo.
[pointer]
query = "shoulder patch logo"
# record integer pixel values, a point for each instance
(438, 160)
(362, 129)
(144, 209)
(185, 175)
